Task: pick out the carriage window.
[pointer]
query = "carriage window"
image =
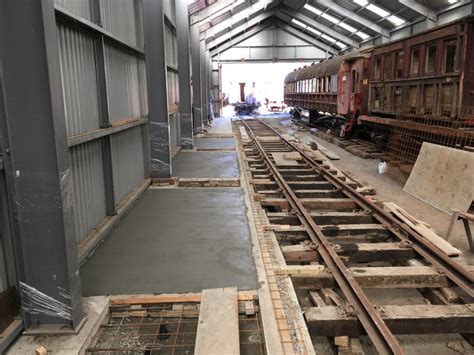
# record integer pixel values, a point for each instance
(328, 83)
(388, 66)
(430, 66)
(378, 62)
(399, 72)
(415, 62)
(449, 56)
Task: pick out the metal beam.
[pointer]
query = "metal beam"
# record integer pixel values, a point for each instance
(204, 80)
(244, 15)
(238, 30)
(156, 75)
(209, 10)
(353, 16)
(319, 26)
(37, 167)
(196, 78)
(305, 37)
(421, 9)
(184, 76)
(234, 41)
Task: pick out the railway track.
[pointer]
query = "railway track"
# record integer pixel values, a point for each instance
(337, 244)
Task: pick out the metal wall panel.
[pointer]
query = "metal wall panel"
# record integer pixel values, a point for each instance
(88, 187)
(258, 53)
(309, 52)
(283, 38)
(124, 89)
(79, 7)
(123, 19)
(128, 161)
(78, 74)
(404, 32)
(169, 9)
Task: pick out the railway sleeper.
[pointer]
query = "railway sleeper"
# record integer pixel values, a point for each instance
(407, 319)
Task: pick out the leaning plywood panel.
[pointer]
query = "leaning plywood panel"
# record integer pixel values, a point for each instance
(443, 177)
(218, 326)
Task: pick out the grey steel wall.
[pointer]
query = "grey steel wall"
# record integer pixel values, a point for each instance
(171, 51)
(126, 101)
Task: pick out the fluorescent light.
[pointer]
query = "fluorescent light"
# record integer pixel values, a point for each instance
(311, 29)
(396, 20)
(362, 35)
(327, 38)
(452, 1)
(340, 45)
(313, 9)
(299, 23)
(347, 27)
(361, 2)
(377, 10)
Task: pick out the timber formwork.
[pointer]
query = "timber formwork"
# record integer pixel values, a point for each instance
(325, 242)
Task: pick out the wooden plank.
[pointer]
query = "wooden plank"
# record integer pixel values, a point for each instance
(354, 229)
(243, 133)
(299, 253)
(421, 228)
(442, 177)
(328, 203)
(300, 270)
(379, 277)
(173, 298)
(409, 319)
(218, 325)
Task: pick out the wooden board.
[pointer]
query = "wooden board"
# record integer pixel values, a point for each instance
(423, 229)
(281, 160)
(218, 326)
(443, 177)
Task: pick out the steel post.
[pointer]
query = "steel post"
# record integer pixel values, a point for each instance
(196, 78)
(184, 77)
(156, 75)
(37, 167)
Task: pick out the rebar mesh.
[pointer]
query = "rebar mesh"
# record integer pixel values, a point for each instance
(405, 142)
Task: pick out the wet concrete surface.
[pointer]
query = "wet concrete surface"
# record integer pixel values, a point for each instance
(175, 240)
(190, 164)
(214, 143)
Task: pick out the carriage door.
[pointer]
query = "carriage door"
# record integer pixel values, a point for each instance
(343, 89)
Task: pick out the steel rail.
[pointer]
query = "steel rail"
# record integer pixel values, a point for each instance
(454, 271)
(383, 339)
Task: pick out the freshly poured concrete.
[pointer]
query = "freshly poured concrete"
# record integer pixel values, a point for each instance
(190, 164)
(214, 143)
(175, 240)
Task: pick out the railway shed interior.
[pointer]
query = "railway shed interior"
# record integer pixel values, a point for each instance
(143, 214)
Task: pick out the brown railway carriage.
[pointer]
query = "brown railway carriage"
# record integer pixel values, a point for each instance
(428, 78)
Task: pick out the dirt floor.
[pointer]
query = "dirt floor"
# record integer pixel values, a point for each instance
(388, 189)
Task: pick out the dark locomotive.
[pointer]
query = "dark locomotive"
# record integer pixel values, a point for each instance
(427, 79)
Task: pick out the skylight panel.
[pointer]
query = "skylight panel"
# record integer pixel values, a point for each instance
(377, 10)
(328, 38)
(340, 45)
(299, 23)
(313, 9)
(330, 18)
(361, 2)
(396, 20)
(316, 32)
(362, 35)
(347, 27)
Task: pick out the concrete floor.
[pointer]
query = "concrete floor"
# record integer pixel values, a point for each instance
(191, 164)
(214, 143)
(175, 240)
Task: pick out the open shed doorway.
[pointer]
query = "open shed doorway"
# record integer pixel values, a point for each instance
(263, 81)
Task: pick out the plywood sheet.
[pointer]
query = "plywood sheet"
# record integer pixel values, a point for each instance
(443, 177)
(218, 327)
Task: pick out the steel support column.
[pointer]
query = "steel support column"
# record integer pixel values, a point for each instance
(184, 77)
(156, 73)
(196, 78)
(204, 80)
(37, 167)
